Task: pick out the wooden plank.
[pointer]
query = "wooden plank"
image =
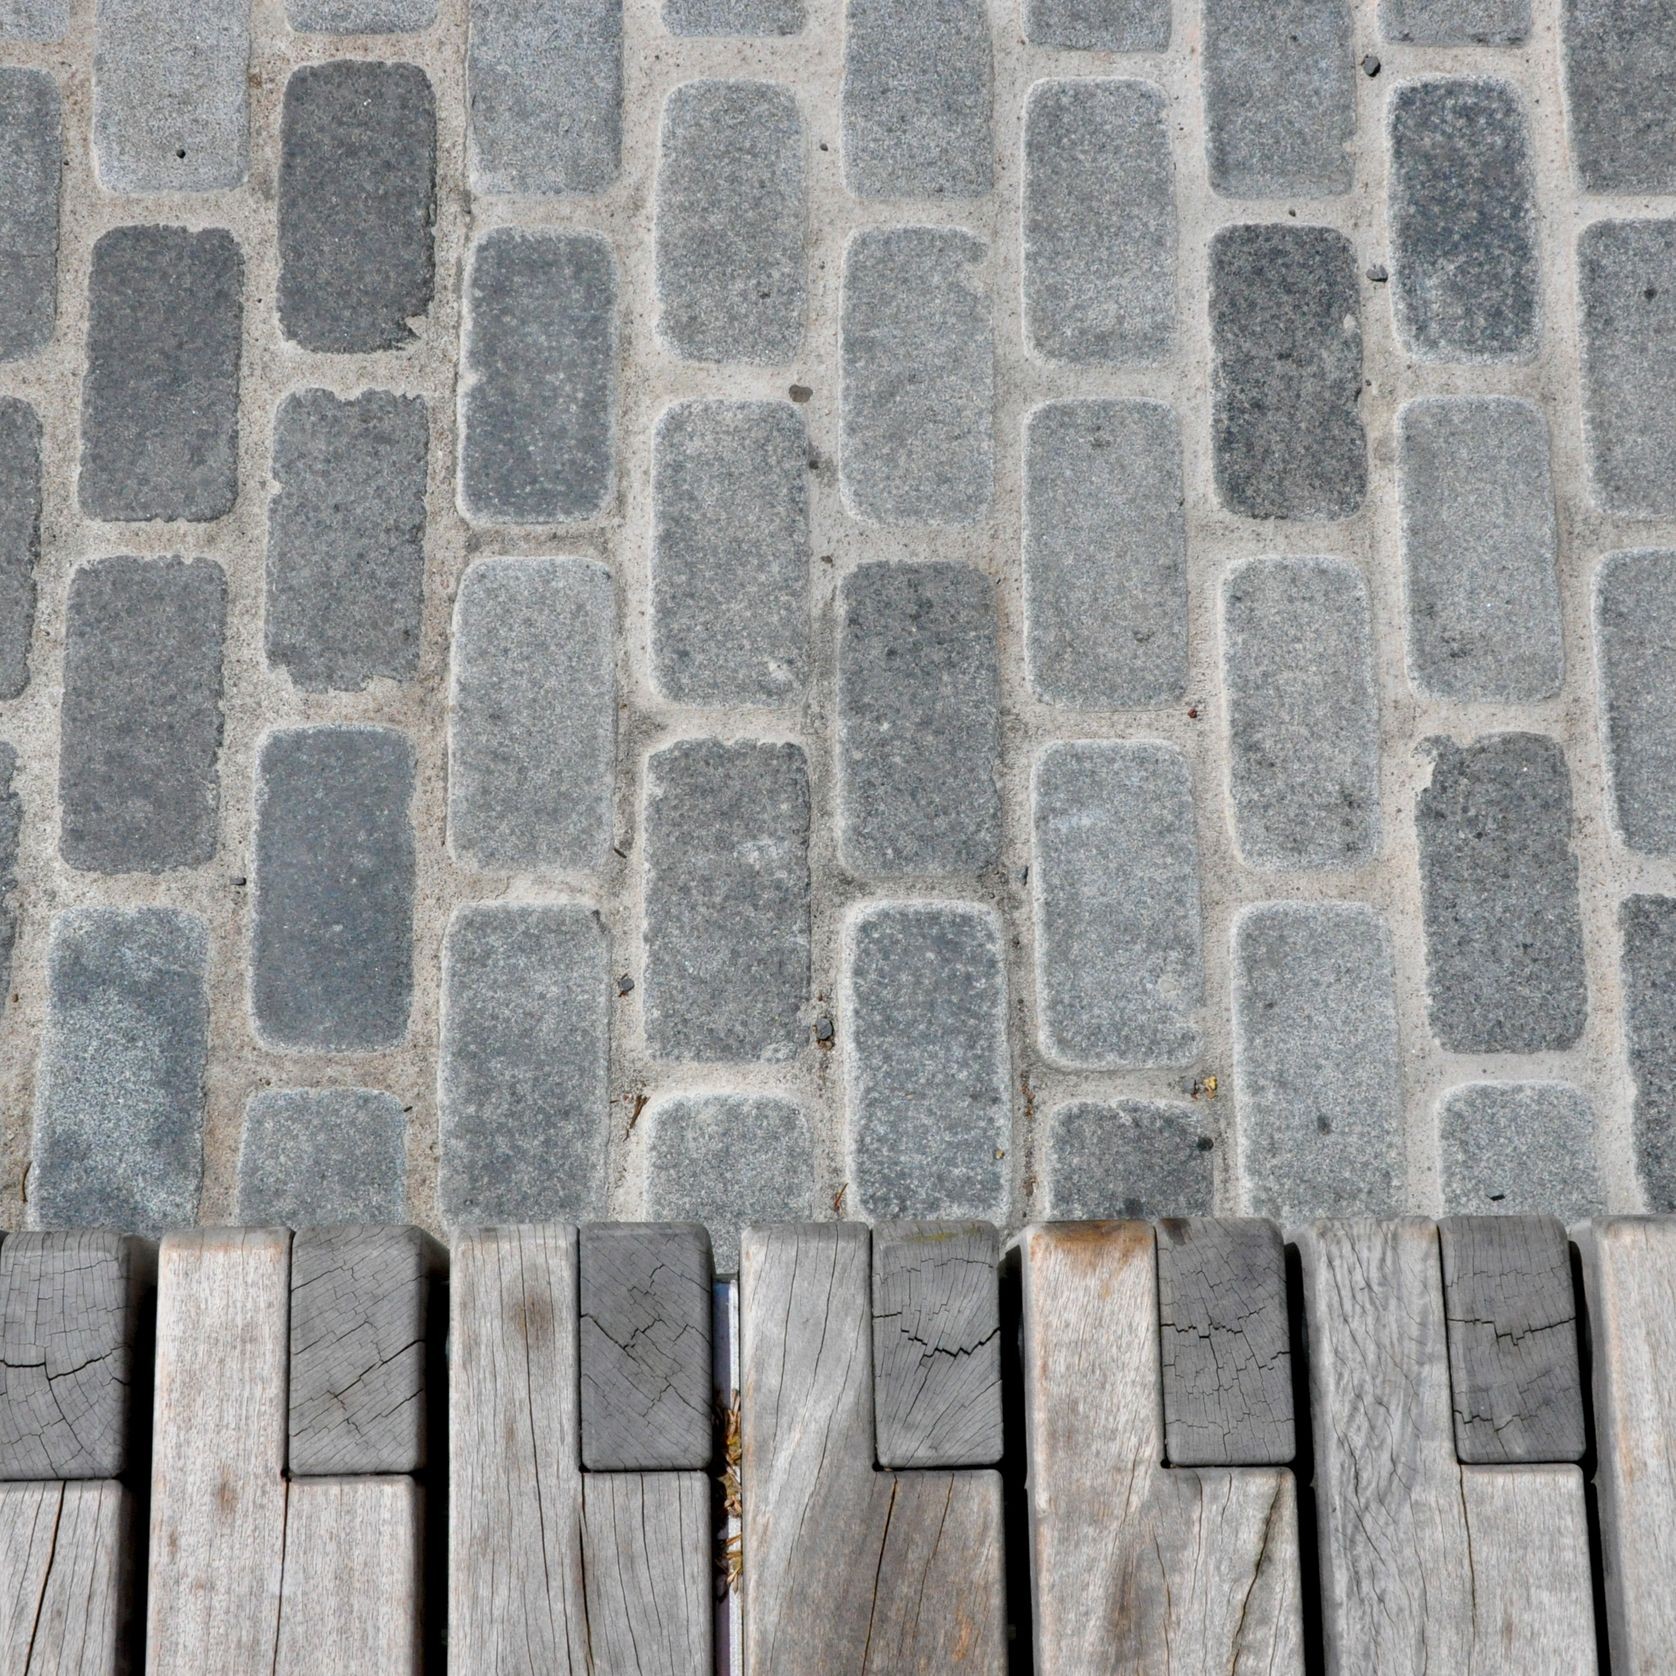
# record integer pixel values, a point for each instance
(936, 1344)
(1513, 1359)
(218, 1452)
(645, 1346)
(360, 1346)
(65, 1582)
(847, 1568)
(1224, 1337)
(1137, 1567)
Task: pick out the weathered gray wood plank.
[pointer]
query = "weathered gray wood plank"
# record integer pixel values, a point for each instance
(1513, 1359)
(936, 1344)
(65, 1579)
(645, 1346)
(1223, 1325)
(360, 1324)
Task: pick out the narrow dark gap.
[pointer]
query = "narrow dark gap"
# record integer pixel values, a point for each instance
(1015, 1496)
(1591, 1454)
(141, 1390)
(1303, 1472)
(433, 1481)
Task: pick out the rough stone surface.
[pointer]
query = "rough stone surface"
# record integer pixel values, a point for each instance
(11, 830)
(20, 539)
(733, 17)
(1456, 23)
(31, 158)
(1635, 628)
(1518, 1148)
(1099, 25)
(1137, 1158)
(33, 20)
(1647, 925)
(361, 17)
(1621, 102)
(314, 1157)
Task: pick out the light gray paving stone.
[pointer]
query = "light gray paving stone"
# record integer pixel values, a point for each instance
(1647, 925)
(532, 715)
(694, 1146)
(1105, 554)
(140, 719)
(1099, 222)
(733, 17)
(1303, 716)
(1317, 1073)
(357, 201)
(1635, 627)
(160, 401)
(916, 98)
(1621, 107)
(316, 1157)
(346, 538)
(731, 226)
(20, 538)
(119, 1088)
(918, 719)
(544, 87)
(1498, 890)
(1456, 23)
(1465, 283)
(727, 901)
(1626, 282)
(171, 106)
(927, 1079)
(1131, 1158)
(1518, 1148)
(1114, 872)
(538, 377)
(31, 159)
(360, 17)
(332, 940)
(730, 552)
(11, 829)
(1280, 97)
(1479, 547)
(1286, 331)
(522, 1084)
(33, 20)
(1099, 25)
(918, 377)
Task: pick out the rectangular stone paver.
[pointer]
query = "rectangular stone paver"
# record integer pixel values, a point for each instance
(346, 538)
(1099, 25)
(732, 222)
(160, 425)
(1498, 884)
(119, 1090)
(360, 17)
(918, 719)
(313, 1157)
(31, 160)
(733, 17)
(20, 538)
(918, 377)
(538, 377)
(11, 831)
(33, 20)
(730, 552)
(1635, 627)
(1316, 1065)
(1303, 716)
(926, 1068)
(522, 1091)
(140, 723)
(1518, 1148)
(1456, 23)
(1479, 548)
(331, 952)
(544, 88)
(1114, 869)
(1620, 99)
(1135, 1158)
(727, 900)
(1099, 222)
(1647, 925)
(532, 715)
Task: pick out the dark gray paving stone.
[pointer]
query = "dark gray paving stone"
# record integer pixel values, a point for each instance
(140, 720)
(171, 110)
(916, 98)
(1456, 23)
(1099, 222)
(523, 1095)
(733, 17)
(919, 725)
(357, 202)
(918, 377)
(1317, 1072)
(1515, 1148)
(1280, 97)
(1498, 888)
(1479, 547)
(926, 1067)
(1105, 554)
(1621, 102)
(33, 20)
(332, 943)
(1131, 1158)
(544, 87)
(20, 538)
(119, 1088)
(160, 402)
(731, 226)
(1303, 715)
(1462, 205)
(346, 538)
(31, 159)
(360, 17)
(538, 377)
(1099, 25)
(313, 1157)
(727, 901)
(1648, 927)
(1285, 320)
(730, 552)
(1114, 868)
(1635, 627)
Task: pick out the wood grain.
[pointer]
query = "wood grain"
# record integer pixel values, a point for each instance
(65, 1580)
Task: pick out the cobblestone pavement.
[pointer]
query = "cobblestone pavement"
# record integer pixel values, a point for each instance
(768, 608)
